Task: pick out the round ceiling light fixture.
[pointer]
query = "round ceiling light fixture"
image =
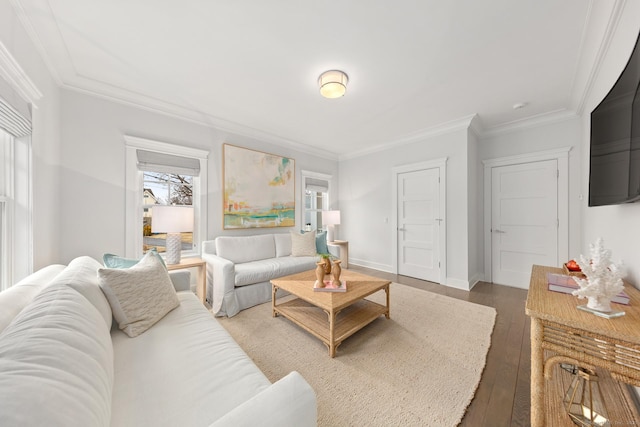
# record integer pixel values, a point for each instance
(333, 83)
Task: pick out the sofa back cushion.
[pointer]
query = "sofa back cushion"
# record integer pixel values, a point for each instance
(82, 275)
(246, 248)
(17, 297)
(283, 244)
(56, 363)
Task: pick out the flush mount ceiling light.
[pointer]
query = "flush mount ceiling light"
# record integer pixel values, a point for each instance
(333, 83)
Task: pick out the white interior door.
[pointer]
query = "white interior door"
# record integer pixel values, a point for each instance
(418, 224)
(524, 220)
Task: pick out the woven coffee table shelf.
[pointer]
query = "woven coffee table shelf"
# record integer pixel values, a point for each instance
(331, 317)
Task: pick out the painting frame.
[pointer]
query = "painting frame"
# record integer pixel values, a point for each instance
(258, 189)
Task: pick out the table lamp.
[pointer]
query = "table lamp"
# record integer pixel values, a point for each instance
(172, 220)
(330, 219)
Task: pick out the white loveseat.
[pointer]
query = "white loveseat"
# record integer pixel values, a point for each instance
(63, 364)
(240, 268)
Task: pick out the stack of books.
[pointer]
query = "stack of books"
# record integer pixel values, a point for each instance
(566, 285)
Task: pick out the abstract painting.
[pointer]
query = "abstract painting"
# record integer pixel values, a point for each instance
(259, 189)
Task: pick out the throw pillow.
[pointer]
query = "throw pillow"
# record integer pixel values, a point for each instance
(321, 243)
(115, 261)
(303, 244)
(139, 296)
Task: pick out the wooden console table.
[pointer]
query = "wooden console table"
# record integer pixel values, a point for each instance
(560, 333)
(201, 265)
(344, 251)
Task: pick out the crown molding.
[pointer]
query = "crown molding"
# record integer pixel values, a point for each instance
(33, 35)
(530, 122)
(612, 25)
(197, 117)
(476, 126)
(444, 128)
(13, 74)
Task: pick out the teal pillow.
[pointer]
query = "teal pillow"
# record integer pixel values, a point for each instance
(115, 261)
(321, 243)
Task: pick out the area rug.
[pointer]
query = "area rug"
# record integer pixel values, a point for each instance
(419, 368)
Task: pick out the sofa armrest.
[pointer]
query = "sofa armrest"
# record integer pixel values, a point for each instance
(288, 402)
(181, 280)
(221, 280)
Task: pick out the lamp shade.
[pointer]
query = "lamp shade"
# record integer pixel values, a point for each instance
(172, 219)
(330, 217)
(333, 83)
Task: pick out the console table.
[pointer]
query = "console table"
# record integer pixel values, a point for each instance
(560, 333)
(344, 251)
(201, 265)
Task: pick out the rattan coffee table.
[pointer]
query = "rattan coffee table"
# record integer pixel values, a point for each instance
(332, 317)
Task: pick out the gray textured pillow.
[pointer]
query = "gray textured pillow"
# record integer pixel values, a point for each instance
(139, 296)
(303, 244)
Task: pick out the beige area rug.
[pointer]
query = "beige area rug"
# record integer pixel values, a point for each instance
(419, 368)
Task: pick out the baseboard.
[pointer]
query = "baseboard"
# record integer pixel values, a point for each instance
(475, 279)
(457, 283)
(373, 265)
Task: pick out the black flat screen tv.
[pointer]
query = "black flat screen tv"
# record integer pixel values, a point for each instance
(614, 166)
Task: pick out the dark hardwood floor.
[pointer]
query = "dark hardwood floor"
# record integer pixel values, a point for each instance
(503, 396)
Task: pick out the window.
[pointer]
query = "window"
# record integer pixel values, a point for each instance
(18, 97)
(16, 245)
(315, 199)
(160, 188)
(6, 172)
(163, 174)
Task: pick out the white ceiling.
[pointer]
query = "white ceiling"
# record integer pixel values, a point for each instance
(251, 66)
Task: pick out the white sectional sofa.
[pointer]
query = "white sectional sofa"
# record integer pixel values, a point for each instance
(240, 268)
(62, 363)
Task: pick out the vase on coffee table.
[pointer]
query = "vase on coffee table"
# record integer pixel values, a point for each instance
(335, 272)
(320, 274)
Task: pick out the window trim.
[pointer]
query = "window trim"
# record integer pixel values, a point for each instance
(134, 193)
(314, 175)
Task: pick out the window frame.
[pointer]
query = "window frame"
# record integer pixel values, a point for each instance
(135, 191)
(320, 176)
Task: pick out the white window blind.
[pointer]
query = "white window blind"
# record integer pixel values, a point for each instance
(153, 161)
(15, 113)
(317, 185)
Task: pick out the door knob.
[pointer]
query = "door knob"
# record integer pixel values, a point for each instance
(498, 231)
(401, 229)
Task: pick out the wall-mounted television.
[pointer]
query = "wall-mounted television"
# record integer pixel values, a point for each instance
(614, 169)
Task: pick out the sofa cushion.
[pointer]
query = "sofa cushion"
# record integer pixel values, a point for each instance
(283, 244)
(246, 248)
(321, 243)
(303, 244)
(18, 296)
(56, 363)
(82, 275)
(264, 270)
(185, 371)
(140, 295)
(115, 261)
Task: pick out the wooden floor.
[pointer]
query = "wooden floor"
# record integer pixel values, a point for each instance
(503, 396)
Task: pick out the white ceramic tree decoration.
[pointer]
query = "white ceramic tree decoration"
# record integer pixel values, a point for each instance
(604, 278)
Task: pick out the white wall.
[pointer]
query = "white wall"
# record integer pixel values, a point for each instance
(619, 226)
(92, 170)
(366, 202)
(45, 139)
